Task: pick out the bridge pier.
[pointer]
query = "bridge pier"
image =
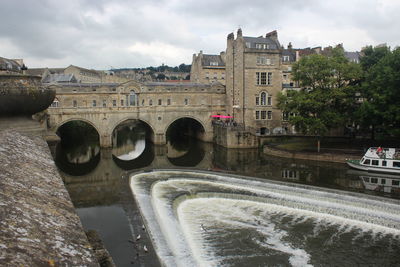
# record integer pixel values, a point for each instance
(160, 139)
(105, 141)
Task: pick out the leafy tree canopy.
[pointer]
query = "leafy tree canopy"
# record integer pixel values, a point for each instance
(328, 87)
(381, 90)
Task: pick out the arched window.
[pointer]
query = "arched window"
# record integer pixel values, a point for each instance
(132, 98)
(263, 98)
(55, 103)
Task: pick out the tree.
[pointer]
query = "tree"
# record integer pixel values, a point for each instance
(381, 90)
(161, 76)
(327, 96)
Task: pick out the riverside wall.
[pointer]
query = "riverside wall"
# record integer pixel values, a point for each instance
(39, 226)
(331, 157)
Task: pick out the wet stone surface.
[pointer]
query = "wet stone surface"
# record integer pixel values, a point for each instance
(39, 226)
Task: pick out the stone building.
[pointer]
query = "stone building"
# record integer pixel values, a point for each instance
(208, 68)
(10, 65)
(253, 81)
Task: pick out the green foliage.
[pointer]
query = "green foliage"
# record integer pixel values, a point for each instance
(163, 68)
(381, 90)
(160, 76)
(327, 98)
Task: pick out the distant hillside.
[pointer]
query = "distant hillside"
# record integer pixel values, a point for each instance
(163, 68)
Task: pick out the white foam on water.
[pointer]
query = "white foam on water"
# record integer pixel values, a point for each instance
(173, 235)
(237, 213)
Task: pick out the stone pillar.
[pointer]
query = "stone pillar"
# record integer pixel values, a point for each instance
(105, 141)
(160, 139)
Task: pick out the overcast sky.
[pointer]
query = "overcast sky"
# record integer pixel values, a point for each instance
(104, 34)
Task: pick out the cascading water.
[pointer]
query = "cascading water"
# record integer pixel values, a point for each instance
(205, 219)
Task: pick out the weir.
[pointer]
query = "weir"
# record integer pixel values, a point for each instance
(205, 219)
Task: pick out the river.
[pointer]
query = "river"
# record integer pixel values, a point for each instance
(229, 207)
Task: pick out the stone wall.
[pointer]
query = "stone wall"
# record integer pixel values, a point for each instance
(340, 158)
(39, 226)
(234, 137)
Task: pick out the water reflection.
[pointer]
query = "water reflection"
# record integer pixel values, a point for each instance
(97, 180)
(190, 154)
(77, 160)
(385, 184)
(129, 140)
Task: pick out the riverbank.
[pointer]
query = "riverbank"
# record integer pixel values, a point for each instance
(322, 156)
(39, 226)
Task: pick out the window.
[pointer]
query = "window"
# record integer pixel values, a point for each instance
(150, 102)
(159, 102)
(285, 116)
(396, 164)
(269, 102)
(122, 102)
(263, 98)
(168, 101)
(269, 115)
(94, 103)
(263, 61)
(375, 162)
(262, 46)
(104, 103)
(257, 100)
(384, 163)
(263, 114)
(263, 78)
(132, 98)
(114, 103)
(142, 102)
(374, 180)
(213, 63)
(55, 103)
(248, 45)
(186, 101)
(257, 114)
(366, 162)
(383, 181)
(395, 182)
(286, 59)
(74, 103)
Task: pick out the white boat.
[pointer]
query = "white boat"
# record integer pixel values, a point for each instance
(378, 159)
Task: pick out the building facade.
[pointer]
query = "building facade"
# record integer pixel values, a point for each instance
(208, 68)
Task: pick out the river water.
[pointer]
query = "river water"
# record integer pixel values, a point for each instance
(212, 206)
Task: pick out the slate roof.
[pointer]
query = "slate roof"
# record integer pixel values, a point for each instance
(291, 53)
(9, 65)
(207, 59)
(59, 78)
(261, 40)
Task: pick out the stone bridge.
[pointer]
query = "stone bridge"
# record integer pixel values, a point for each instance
(158, 105)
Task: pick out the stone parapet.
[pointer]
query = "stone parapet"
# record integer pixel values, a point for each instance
(39, 226)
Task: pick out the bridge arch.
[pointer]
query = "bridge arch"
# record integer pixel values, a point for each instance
(171, 122)
(58, 125)
(148, 124)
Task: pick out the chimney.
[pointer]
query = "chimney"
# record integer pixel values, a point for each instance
(239, 33)
(273, 35)
(231, 36)
(290, 45)
(223, 56)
